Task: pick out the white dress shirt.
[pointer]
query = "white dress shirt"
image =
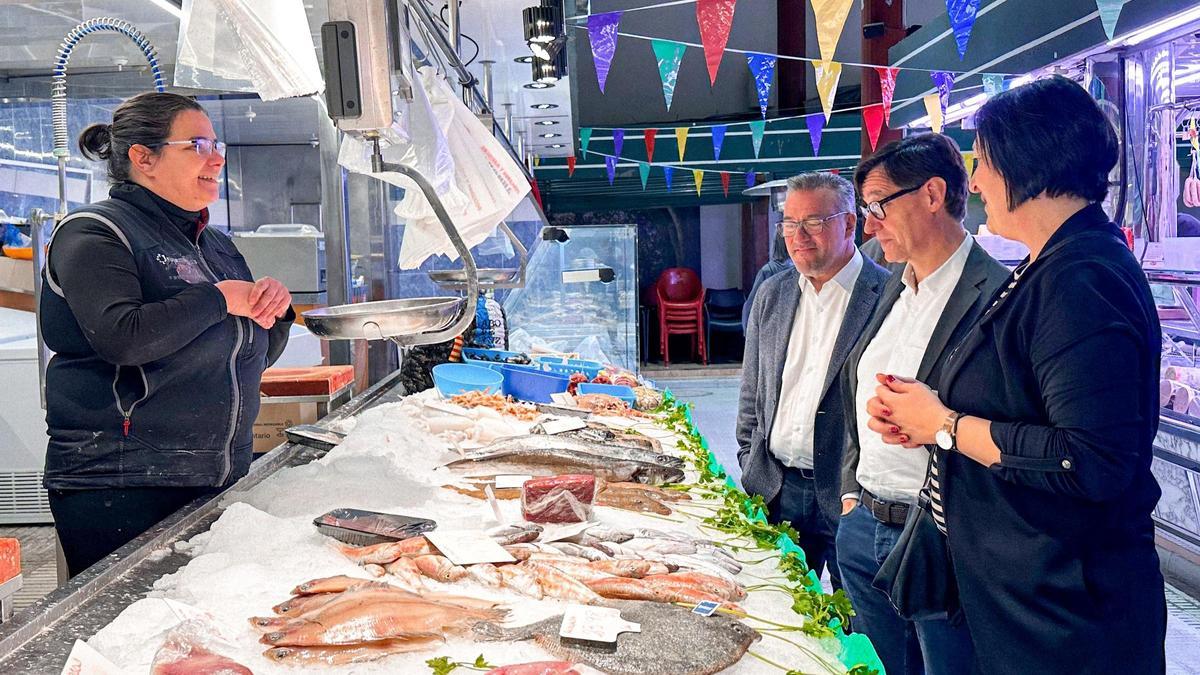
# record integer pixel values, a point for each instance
(810, 347)
(892, 472)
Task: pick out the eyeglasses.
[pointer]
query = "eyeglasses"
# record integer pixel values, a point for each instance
(876, 208)
(203, 146)
(810, 225)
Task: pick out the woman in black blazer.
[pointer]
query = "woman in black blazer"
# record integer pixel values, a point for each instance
(1047, 410)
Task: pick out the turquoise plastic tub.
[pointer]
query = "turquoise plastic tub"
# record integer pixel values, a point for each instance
(458, 378)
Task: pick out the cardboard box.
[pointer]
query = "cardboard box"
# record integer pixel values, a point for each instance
(16, 275)
(273, 418)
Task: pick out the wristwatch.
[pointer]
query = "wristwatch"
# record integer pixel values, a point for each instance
(946, 437)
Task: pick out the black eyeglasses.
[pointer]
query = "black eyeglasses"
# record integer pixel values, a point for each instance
(876, 208)
(810, 225)
(203, 146)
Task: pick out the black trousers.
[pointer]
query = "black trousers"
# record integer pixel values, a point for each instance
(93, 523)
(797, 504)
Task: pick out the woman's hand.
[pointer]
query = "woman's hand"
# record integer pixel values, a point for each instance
(905, 412)
(239, 302)
(269, 300)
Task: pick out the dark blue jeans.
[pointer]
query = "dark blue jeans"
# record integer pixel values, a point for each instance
(797, 504)
(905, 647)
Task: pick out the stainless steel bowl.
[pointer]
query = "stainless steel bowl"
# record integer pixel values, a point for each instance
(383, 319)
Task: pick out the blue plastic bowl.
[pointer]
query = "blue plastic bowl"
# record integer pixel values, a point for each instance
(458, 378)
(531, 384)
(618, 390)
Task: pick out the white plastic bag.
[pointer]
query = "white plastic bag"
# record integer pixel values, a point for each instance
(263, 46)
(475, 178)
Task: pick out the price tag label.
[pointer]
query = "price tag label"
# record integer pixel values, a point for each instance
(468, 547)
(511, 481)
(563, 398)
(595, 624)
(559, 425)
(705, 608)
(83, 660)
(552, 532)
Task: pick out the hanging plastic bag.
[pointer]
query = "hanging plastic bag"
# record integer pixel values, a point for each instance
(1191, 186)
(262, 46)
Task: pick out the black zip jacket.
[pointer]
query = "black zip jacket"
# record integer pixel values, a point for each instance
(152, 383)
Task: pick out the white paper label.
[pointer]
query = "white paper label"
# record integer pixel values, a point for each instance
(563, 398)
(559, 425)
(83, 660)
(468, 547)
(580, 276)
(491, 499)
(595, 624)
(511, 481)
(558, 532)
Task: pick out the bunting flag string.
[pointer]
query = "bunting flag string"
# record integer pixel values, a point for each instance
(570, 166)
(873, 123)
(585, 137)
(816, 125)
(725, 182)
(718, 139)
(649, 135)
(698, 177)
(610, 168)
(828, 74)
(757, 129)
(933, 106)
(669, 55)
(1110, 11)
(831, 19)
(667, 171)
(715, 19)
(681, 134)
(762, 69)
(644, 172)
(887, 89)
(962, 20)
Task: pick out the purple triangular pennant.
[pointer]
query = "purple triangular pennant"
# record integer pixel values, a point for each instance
(667, 174)
(749, 179)
(816, 125)
(962, 20)
(610, 167)
(944, 82)
(618, 141)
(602, 31)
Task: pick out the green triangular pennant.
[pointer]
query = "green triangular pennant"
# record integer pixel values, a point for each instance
(644, 172)
(758, 129)
(585, 137)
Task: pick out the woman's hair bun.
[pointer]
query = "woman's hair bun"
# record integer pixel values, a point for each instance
(96, 142)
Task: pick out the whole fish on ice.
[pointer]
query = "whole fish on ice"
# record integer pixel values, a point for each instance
(552, 456)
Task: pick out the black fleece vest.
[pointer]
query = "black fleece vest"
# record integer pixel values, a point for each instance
(183, 420)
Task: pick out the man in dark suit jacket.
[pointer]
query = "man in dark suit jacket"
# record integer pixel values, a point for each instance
(916, 191)
(790, 426)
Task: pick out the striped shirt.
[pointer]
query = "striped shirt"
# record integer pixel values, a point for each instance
(935, 487)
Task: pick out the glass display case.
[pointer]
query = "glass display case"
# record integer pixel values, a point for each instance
(580, 295)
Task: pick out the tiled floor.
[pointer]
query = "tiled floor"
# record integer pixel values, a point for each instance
(715, 412)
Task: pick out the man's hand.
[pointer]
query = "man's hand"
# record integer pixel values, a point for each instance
(848, 505)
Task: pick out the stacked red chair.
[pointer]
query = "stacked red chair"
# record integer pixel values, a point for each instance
(680, 310)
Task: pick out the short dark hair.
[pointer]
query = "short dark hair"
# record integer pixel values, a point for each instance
(913, 160)
(1049, 137)
(144, 119)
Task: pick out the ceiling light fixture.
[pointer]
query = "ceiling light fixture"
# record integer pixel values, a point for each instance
(556, 145)
(546, 123)
(538, 85)
(549, 135)
(544, 31)
(544, 106)
(528, 58)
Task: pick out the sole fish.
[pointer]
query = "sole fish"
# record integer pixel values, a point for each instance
(673, 641)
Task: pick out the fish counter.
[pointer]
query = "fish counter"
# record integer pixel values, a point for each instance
(469, 534)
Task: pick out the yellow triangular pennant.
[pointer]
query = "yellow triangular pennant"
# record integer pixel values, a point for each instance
(969, 161)
(698, 176)
(681, 140)
(828, 74)
(831, 19)
(933, 106)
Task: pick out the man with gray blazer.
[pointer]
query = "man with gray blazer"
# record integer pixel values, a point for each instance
(915, 190)
(790, 426)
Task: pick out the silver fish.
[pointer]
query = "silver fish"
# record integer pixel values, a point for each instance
(606, 533)
(598, 433)
(663, 546)
(585, 552)
(549, 455)
(673, 641)
(536, 441)
(518, 533)
(700, 563)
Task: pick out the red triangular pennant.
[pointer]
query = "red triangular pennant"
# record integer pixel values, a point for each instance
(537, 194)
(836, 172)
(570, 166)
(873, 122)
(715, 18)
(725, 182)
(649, 136)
